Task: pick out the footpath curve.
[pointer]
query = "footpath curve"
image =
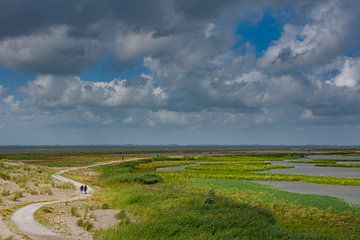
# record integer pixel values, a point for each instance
(24, 220)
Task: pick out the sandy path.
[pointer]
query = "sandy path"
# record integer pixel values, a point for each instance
(24, 220)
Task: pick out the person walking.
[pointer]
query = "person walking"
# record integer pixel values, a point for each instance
(85, 188)
(81, 188)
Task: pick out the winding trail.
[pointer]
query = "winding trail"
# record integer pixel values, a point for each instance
(24, 220)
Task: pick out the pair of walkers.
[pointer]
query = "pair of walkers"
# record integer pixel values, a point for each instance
(83, 189)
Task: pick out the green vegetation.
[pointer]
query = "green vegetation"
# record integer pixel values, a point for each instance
(346, 165)
(206, 201)
(74, 212)
(80, 222)
(17, 195)
(331, 162)
(323, 160)
(263, 176)
(237, 166)
(185, 206)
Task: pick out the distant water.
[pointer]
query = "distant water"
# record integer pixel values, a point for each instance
(349, 193)
(311, 170)
(153, 148)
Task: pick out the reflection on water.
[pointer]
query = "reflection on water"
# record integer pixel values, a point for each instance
(349, 193)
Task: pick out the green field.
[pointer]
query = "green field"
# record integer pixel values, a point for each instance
(185, 205)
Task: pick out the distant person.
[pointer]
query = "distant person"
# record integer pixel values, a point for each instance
(85, 189)
(81, 188)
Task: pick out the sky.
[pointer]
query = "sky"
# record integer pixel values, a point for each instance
(274, 72)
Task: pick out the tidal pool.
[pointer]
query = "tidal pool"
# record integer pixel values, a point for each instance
(311, 170)
(349, 193)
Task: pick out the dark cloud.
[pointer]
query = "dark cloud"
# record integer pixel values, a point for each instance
(194, 78)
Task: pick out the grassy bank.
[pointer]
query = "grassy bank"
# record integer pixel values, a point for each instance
(178, 206)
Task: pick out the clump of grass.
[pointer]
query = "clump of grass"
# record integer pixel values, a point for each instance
(33, 191)
(47, 209)
(17, 195)
(46, 190)
(122, 215)
(86, 212)
(88, 226)
(138, 178)
(210, 197)
(64, 185)
(80, 222)
(74, 212)
(105, 206)
(4, 176)
(5, 192)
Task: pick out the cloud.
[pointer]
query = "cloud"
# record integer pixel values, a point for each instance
(197, 77)
(71, 91)
(52, 51)
(329, 32)
(349, 75)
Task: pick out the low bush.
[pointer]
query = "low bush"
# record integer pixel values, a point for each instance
(149, 178)
(80, 222)
(17, 195)
(5, 192)
(88, 226)
(47, 209)
(46, 190)
(74, 212)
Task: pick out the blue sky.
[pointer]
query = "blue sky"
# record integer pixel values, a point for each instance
(204, 72)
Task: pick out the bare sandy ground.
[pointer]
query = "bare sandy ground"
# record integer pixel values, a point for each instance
(23, 218)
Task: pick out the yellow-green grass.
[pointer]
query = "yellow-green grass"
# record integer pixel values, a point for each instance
(323, 160)
(263, 176)
(237, 166)
(162, 163)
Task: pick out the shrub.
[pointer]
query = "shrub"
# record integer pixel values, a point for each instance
(5, 192)
(139, 178)
(80, 222)
(47, 209)
(88, 226)
(33, 192)
(4, 176)
(17, 195)
(74, 212)
(46, 190)
(105, 206)
(210, 198)
(121, 215)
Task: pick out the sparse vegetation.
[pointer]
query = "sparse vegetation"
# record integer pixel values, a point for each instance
(74, 212)
(5, 192)
(16, 195)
